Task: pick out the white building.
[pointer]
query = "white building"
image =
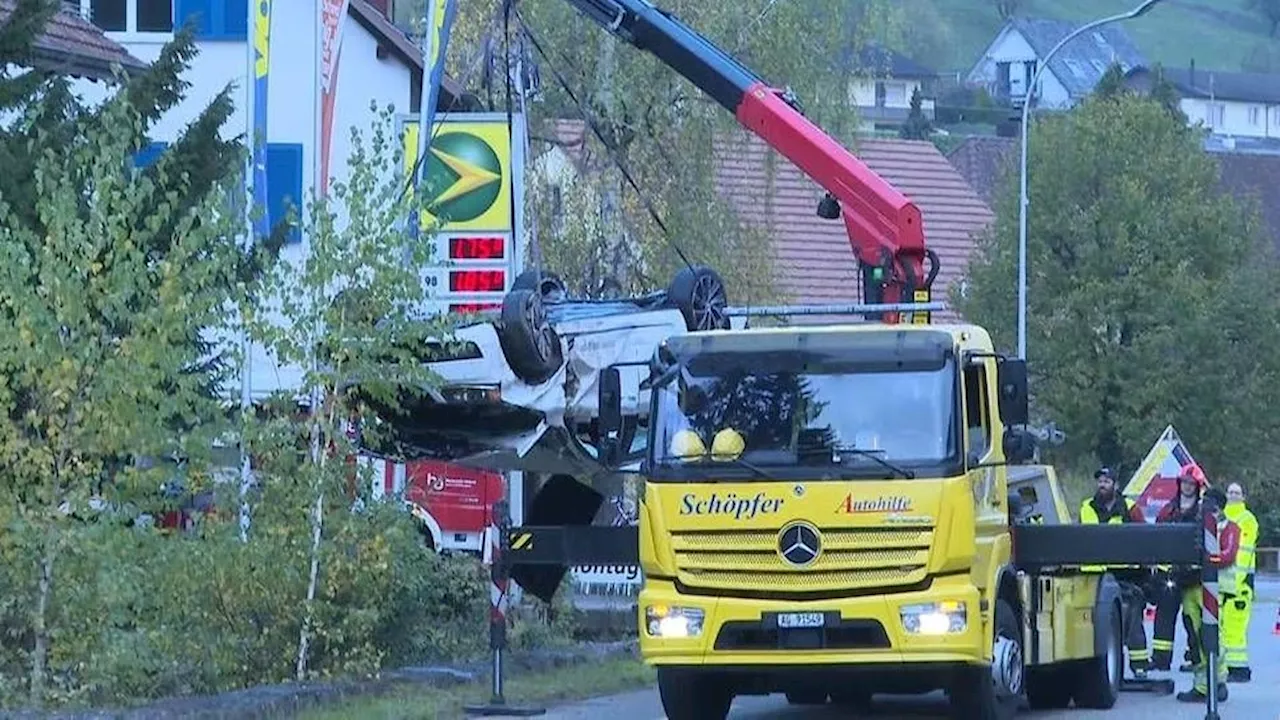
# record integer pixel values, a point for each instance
(883, 85)
(378, 64)
(1230, 104)
(1009, 62)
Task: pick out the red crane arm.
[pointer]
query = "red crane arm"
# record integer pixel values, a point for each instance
(885, 228)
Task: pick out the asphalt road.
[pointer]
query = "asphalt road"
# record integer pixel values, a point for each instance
(1258, 700)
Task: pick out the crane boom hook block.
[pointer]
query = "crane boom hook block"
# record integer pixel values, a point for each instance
(885, 228)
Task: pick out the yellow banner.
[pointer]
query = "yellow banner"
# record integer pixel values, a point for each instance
(467, 176)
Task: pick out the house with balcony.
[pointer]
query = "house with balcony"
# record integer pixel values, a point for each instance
(882, 85)
(1008, 64)
(1232, 105)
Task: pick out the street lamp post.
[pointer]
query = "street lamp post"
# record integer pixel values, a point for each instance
(1022, 198)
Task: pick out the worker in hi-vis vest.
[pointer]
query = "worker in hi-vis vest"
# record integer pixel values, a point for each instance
(1109, 506)
(1237, 607)
(1211, 505)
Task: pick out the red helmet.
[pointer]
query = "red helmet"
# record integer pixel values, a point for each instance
(1193, 471)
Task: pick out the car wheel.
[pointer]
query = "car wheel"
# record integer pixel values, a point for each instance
(693, 696)
(1049, 688)
(994, 691)
(530, 343)
(1098, 685)
(699, 294)
(551, 287)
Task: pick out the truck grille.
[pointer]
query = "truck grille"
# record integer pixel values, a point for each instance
(851, 559)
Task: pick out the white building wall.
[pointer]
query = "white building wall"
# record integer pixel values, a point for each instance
(1234, 118)
(1010, 46)
(293, 109)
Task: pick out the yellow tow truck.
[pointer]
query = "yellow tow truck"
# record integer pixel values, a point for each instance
(827, 513)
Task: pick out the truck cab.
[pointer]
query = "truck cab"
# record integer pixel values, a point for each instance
(826, 513)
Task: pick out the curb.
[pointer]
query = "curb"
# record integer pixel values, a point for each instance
(288, 699)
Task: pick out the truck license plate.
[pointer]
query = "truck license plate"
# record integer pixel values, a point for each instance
(801, 620)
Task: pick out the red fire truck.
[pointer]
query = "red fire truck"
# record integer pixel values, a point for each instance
(452, 503)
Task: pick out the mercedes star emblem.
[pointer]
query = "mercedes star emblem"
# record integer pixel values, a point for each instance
(799, 544)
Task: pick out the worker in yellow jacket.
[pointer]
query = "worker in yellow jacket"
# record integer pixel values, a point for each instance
(1237, 607)
(1108, 506)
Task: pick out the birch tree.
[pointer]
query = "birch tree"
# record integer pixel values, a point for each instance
(349, 314)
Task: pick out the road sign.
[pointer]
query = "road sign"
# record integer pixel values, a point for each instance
(1155, 482)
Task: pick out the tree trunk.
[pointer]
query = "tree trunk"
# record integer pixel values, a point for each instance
(317, 526)
(40, 655)
(304, 635)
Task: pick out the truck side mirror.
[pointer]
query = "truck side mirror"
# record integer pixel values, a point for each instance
(1012, 379)
(609, 419)
(1019, 446)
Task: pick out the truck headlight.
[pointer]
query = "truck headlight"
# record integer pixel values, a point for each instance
(935, 618)
(673, 622)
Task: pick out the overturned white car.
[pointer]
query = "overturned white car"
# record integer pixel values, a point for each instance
(520, 388)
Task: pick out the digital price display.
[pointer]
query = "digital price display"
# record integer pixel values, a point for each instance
(477, 248)
(470, 308)
(477, 281)
(472, 272)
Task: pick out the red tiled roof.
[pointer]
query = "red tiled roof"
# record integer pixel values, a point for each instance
(985, 162)
(815, 264)
(72, 45)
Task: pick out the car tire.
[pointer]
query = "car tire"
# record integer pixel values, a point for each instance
(549, 288)
(973, 694)
(1050, 688)
(531, 345)
(1098, 684)
(699, 294)
(693, 696)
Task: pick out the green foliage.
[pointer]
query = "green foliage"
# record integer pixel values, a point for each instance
(1263, 57)
(596, 231)
(1269, 10)
(18, 80)
(144, 615)
(917, 126)
(1131, 248)
(105, 277)
(346, 315)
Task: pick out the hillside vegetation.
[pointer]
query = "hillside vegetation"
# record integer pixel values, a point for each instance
(1229, 35)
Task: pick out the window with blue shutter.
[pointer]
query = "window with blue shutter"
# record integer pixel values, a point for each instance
(214, 19)
(284, 185)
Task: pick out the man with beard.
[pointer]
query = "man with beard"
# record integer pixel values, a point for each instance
(1108, 506)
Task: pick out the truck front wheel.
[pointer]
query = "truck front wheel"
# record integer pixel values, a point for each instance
(994, 692)
(693, 696)
(1099, 680)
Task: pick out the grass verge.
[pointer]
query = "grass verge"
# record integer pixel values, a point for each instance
(577, 682)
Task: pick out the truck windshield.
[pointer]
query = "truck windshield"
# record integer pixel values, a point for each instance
(801, 418)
